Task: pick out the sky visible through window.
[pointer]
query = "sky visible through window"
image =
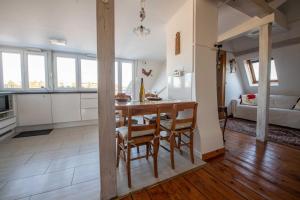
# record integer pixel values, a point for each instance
(11, 63)
(88, 73)
(66, 72)
(36, 71)
(127, 77)
(116, 77)
(273, 70)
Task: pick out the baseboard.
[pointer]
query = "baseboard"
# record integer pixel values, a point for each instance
(74, 124)
(56, 125)
(213, 154)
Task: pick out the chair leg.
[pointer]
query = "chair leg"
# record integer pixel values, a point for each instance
(172, 145)
(224, 128)
(124, 153)
(118, 150)
(155, 155)
(147, 150)
(192, 146)
(179, 143)
(128, 164)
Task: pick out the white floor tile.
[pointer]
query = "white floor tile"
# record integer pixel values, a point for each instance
(84, 191)
(86, 173)
(23, 171)
(65, 165)
(37, 184)
(75, 161)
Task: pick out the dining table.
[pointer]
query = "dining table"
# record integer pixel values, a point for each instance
(122, 107)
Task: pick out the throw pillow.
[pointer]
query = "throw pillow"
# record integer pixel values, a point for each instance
(249, 99)
(297, 106)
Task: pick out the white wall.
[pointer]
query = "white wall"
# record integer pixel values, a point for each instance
(182, 21)
(287, 61)
(234, 83)
(197, 21)
(157, 81)
(206, 28)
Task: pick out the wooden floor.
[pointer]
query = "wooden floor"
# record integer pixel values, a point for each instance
(248, 170)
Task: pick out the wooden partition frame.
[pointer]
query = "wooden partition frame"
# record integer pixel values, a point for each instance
(106, 107)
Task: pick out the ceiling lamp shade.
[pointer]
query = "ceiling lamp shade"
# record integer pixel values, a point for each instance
(141, 30)
(58, 42)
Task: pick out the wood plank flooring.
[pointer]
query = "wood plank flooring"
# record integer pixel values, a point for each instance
(248, 170)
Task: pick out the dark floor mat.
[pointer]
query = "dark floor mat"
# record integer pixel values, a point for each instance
(278, 134)
(33, 133)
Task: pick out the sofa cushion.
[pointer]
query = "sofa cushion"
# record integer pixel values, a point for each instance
(249, 99)
(282, 101)
(123, 131)
(167, 124)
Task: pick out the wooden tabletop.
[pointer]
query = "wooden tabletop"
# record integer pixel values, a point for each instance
(125, 105)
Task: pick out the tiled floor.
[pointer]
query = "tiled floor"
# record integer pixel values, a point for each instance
(65, 165)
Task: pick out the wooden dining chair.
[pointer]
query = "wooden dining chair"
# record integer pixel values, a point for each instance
(179, 126)
(136, 135)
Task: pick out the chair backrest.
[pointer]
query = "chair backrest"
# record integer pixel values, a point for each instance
(140, 111)
(181, 107)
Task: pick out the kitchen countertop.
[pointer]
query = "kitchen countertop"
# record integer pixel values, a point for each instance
(44, 92)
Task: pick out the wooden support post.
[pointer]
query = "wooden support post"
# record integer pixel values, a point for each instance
(106, 109)
(264, 82)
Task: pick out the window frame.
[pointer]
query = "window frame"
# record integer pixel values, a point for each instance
(120, 61)
(26, 71)
(84, 57)
(15, 51)
(54, 62)
(51, 70)
(252, 73)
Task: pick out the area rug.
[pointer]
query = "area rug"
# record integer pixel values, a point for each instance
(33, 133)
(278, 134)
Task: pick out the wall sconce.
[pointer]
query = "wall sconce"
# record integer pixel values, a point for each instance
(232, 64)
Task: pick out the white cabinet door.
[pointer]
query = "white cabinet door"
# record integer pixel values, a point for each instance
(33, 109)
(89, 114)
(65, 107)
(89, 103)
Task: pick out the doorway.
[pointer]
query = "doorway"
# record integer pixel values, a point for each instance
(221, 81)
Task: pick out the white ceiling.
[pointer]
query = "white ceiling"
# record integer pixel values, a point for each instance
(30, 23)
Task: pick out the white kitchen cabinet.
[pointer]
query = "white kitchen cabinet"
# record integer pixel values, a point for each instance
(66, 107)
(33, 109)
(89, 95)
(89, 114)
(89, 103)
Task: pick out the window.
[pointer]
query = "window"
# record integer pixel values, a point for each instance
(117, 89)
(11, 68)
(253, 71)
(88, 73)
(65, 72)
(124, 77)
(127, 69)
(36, 71)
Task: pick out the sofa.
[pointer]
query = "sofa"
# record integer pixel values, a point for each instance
(281, 111)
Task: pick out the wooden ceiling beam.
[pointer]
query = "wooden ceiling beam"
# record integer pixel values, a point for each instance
(252, 24)
(252, 8)
(276, 3)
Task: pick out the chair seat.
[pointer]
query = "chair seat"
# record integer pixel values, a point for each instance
(123, 131)
(167, 124)
(118, 121)
(153, 117)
